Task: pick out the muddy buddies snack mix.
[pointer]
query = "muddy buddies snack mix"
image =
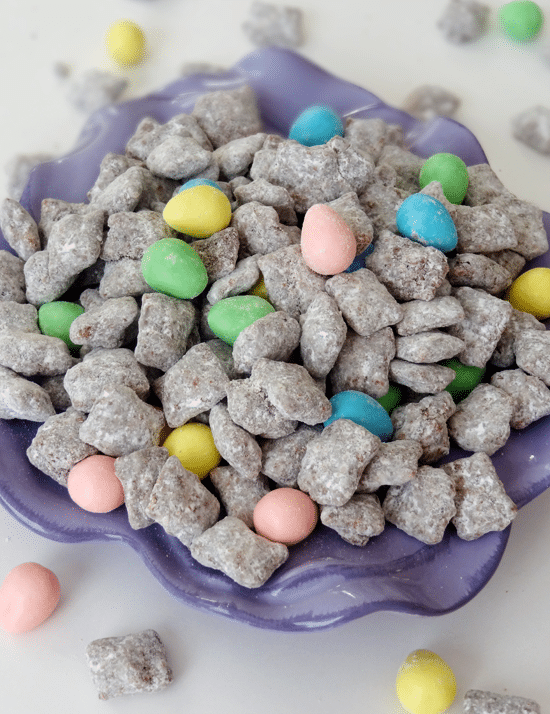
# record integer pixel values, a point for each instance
(142, 361)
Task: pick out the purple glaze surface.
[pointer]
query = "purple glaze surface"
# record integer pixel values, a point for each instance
(326, 581)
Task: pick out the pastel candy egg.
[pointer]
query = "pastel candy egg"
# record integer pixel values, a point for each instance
(28, 596)
(316, 125)
(521, 20)
(450, 171)
(327, 242)
(198, 182)
(467, 378)
(198, 211)
(363, 410)
(194, 446)
(125, 43)
(172, 267)
(55, 319)
(285, 515)
(93, 484)
(425, 683)
(426, 220)
(530, 292)
(228, 317)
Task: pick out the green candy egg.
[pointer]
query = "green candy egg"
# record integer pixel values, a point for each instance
(172, 267)
(55, 319)
(391, 399)
(228, 317)
(450, 171)
(521, 20)
(467, 378)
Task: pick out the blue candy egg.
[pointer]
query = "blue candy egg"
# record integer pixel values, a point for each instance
(198, 182)
(426, 220)
(363, 410)
(316, 125)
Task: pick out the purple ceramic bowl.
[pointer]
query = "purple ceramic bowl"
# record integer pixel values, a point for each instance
(325, 581)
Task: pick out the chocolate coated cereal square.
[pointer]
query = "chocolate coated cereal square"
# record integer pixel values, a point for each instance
(138, 472)
(238, 493)
(358, 520)
(481, 702)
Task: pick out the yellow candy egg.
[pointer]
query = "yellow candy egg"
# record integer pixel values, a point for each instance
(260, 290)
(199, 211)
(194, 446)
(125, 43)
(425, 683)
(530, 292)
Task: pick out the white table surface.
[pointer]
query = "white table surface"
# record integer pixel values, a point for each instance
(501, 640)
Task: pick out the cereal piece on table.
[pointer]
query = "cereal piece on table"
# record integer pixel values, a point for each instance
(291, 390)
(410, 271)
(481, 702)
(484, 186)
(228, 115)
(424, 506)
(178, 158)
(12, 277)
(478, 271)
(406, 165)
(22, 399)
(356, 521)
(426, 423)
(421, 378)
(105, 326)
(323, 332)
(463, 21)
(230, 546)
(483, 229)
(19, 168)
(239, 494)
(74, 243)
(363, 363)
(532, 350)
(18, 316)
(532, 127)
(219, 253)
(237, 446)
(504, 355)
(123, 278)
(138, 472)
(268, 24)
(250, 408)
(334, 461)
(429, 101)
(235, 157)
(57, 446)
(427, 347)
(120, 422)
(19, 228)
(274, 336)
(194, 384)
(350, 209)
(509, 259)
(281, 458)
(528, 225)
(180, 503)
(240, 280)
(130, 234)
(260, 230)
(290, 284)
(95, 88)
(481, 421)
(112, 165)
(41, 287)
(29, 353)
(128, 665)
(482, 504)
(149, 134)
(371, 135)
(426, 315)
(100, 369)
(267, 194)
(163, 328)
(123, 193)
(364, 301)
(485, 318)
(395, 463)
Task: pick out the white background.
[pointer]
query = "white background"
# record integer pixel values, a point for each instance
(501, 640)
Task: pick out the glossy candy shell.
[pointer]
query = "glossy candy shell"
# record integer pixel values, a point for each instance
(325, 582)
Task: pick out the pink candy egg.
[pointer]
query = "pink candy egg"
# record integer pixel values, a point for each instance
(285, 515)
(94, 486)
(328, 244)
(28, 596)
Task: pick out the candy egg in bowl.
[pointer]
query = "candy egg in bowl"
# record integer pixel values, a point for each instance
(325, 580)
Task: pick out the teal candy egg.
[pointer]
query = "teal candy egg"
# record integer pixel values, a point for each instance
(426, 220)
(198, 182)
(363, 410)
(316, 125)
(228, 317)
(172, 267)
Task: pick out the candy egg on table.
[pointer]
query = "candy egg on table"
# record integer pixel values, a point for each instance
(125, 43)
(28, 596)
(450, 171)
(530, 292)
(285, 515)
(94, 486)
(425, 683)
(316, 125)
(198, 211)
(228, 317)
(327, 242)
(172, 267)
(55, 319)
(194, 446)
(426, 220)
(363, 410)
(521, 20)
